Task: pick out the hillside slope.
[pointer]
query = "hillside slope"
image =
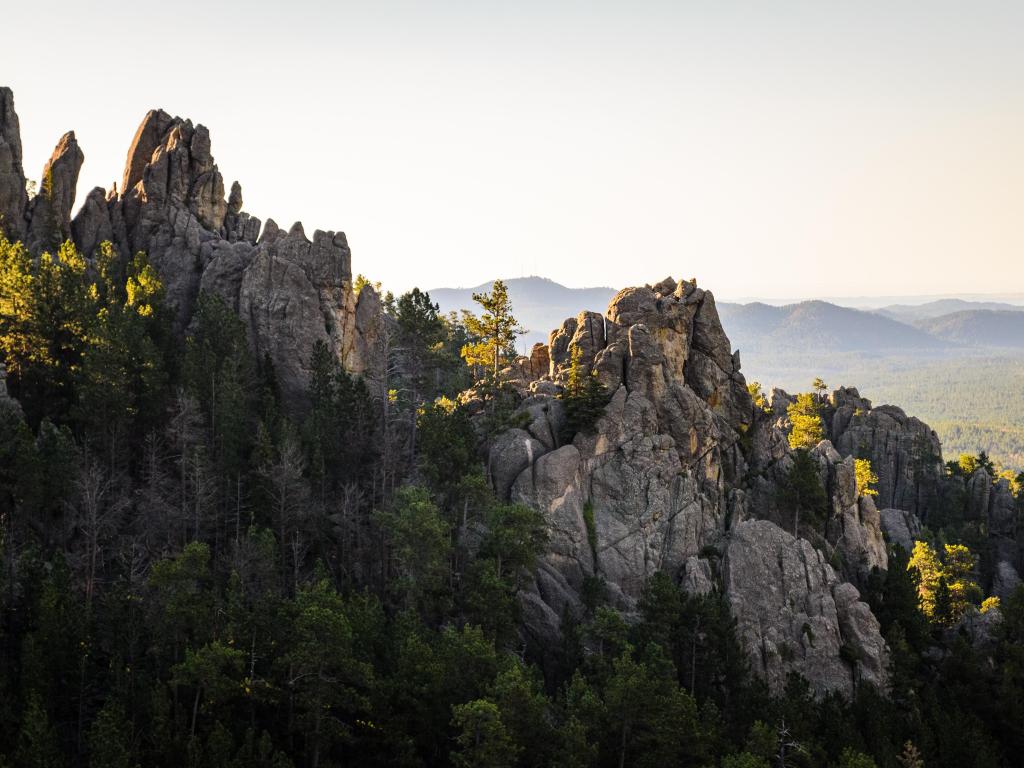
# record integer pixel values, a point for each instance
(910, 312)
(818, 327)
(978, 327)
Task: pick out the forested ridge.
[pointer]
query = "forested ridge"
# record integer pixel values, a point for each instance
(197, 572)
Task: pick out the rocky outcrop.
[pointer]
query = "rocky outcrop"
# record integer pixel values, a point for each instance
(849, 530)
(795, 615)
(645, 489)
(92, 225)
(291, 291)
(13, 196)
(660, 479)
(901, 528)
(291, 294)
(540, 361)
(50, 210)
(854, 526)
(993, 505)
(904, 452)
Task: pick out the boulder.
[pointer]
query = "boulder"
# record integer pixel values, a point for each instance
(511, 453)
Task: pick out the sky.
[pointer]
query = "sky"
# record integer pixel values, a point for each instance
(783, 149)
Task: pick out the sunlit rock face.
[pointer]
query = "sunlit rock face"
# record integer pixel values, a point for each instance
(665, 481)
(13, 196)
(291, 291)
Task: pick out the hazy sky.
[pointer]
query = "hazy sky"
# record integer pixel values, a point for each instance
(766, 148)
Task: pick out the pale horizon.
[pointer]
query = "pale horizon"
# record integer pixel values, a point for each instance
(797, 151)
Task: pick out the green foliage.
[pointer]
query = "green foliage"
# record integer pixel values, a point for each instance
(338, 434)
(514, 538)
(447, 445)
(84, 347)
(866, 477)
(483, 741)
(851, 758)
(110, 739)
(802, 491)
(324, 675)
(945, 587)
(744, 760)
(362, 281)
(38, 745)
(650, 720)
(495, 331)
(584, 398)
(220, 373)
(420, 542)
(346, 591)
(758, 396)
(910, 757)
(807, 430)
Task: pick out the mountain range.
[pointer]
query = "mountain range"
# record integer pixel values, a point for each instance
(933, 309)
(822, 328)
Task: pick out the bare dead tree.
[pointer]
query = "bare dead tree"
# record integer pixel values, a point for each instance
(94, 514)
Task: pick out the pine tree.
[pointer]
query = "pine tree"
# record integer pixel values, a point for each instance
(483, 740)
(802, 490)
(910, 757)
(866, 477)
(496, 330)
(584, 397)
(808, 429)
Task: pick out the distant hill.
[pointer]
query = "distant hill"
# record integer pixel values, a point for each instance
(539, 304)
(819, 328)
(911, 312)
(978, 327)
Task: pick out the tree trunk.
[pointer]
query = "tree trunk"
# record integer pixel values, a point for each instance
(195, 710)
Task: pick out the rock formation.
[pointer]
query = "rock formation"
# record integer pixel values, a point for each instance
(49, 213)
(900, 527)
(291, 291)
(13, 196)
(992, 504)
(795, 615)
(905, 452)
(661, 483)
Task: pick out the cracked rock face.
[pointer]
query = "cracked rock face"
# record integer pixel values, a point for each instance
(645, 490)
(660, 478)
(13, 197)
(905, 452)
(291, 291)
(794, 614)
(901, 528)
(50, 209)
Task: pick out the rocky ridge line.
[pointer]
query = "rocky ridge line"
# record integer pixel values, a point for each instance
(290, 291)
(663, 482)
